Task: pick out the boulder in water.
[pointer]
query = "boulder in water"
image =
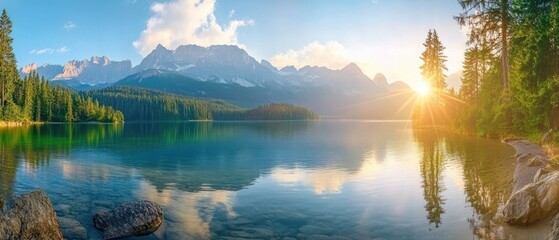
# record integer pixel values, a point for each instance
(29, 216)
(129, 219)
(534, 201)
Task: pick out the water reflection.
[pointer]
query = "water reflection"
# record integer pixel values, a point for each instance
(431, 168)
(486, 173)
(328, 180)
(487, 178)
(188, 218)
(34, 146)
(262, 179)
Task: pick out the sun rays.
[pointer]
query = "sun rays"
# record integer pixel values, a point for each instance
(423, 89)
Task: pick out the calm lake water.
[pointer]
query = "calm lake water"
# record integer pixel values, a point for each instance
(304, 180)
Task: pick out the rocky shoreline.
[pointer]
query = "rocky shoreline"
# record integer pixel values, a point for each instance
(32, 216)
(533, 206)
(530, 158)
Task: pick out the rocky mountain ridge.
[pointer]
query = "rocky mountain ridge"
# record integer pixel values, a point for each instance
(97, 70)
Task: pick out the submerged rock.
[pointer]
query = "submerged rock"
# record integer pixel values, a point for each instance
(72, 229)
(62, 209)
(134, 218)
(29, 216)
(534, 201)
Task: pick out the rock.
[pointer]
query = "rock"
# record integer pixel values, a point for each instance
(547, 192)
(534, 201)
(524, 174)
(29, 216)
(541, 173)
(134, 218)
(537, 161)
(63, 209)
(523, 157)
(72, 229)
(77, 233)
(68, 222)
(554, 235)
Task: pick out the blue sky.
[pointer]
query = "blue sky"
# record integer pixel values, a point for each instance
(379, 35)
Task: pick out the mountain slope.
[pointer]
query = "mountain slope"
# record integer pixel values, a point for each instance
(229, 73)
(97, 70)
(394, 106)
(46, 70)
(218, 63)
(232, 65)
(173, 82)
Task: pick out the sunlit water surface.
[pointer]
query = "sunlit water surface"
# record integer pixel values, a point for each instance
(304, 180)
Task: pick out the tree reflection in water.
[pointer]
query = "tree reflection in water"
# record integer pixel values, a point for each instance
(32, 146)
(431, 166)
(487, 175)
(487, 178)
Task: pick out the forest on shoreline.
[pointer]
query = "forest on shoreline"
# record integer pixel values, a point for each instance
(510, 80)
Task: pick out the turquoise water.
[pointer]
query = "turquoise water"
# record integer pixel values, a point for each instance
(282, 180)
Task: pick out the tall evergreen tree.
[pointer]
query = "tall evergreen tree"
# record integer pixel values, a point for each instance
(433, 66)
(430, 110)
(477, 62)
(489, 24)
(8, 68)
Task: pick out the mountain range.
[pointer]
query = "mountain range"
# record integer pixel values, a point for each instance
(83, 74)
(225, 72)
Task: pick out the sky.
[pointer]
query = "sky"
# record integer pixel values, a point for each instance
(383, 36)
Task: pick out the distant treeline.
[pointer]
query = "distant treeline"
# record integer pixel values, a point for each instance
(34, 100)
(279, 111)
(140, 104)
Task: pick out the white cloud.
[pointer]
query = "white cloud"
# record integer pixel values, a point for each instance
(62, 50)
(49, 50)
(330, 54)
(41, 51)
(186, 22)
(69, 25)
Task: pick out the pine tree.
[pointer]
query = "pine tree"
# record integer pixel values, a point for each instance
(476, 66)
(69, 111)
(489, 24)
(28, 97)
(430, 110)
(433, 66)
(439, 66)
(8, 68)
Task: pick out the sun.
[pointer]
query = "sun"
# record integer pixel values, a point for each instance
(423, 89)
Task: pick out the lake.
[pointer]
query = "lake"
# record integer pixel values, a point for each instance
(325, 179)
